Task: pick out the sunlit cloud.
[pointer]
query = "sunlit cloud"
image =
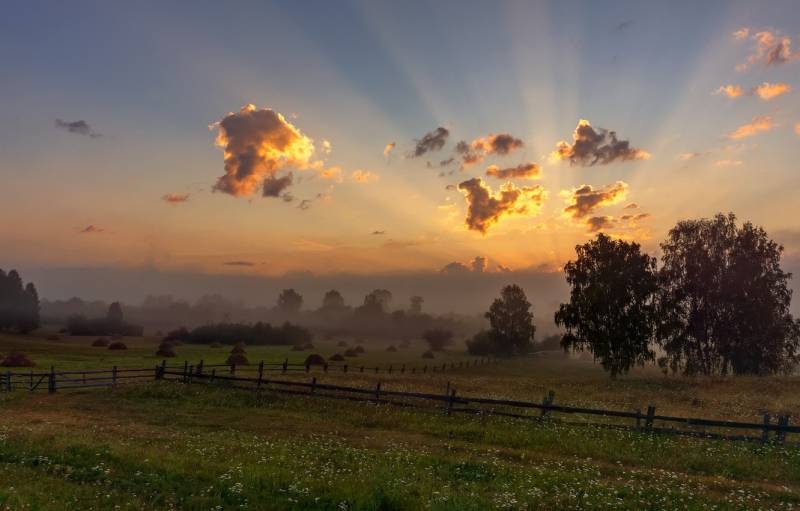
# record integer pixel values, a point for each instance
(493, 144)
(585, 199)
(479, 264)
(364, 176)
(592, 147)
(485, 208)
(521, 171)
(757, 125)
(732, 91)
(768, 91)
(728, 163)
(770, 48)
(797, 129)
(387, 151)
(331, 173)
(175, 198)
(691, 155)
(258, 143)
(326, 146)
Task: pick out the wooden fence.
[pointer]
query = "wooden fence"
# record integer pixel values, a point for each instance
(449, 401)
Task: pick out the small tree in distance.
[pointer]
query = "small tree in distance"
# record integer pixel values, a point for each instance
(290, 301)
(511, 329)
(611, 311)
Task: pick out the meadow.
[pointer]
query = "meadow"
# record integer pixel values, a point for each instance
(166, 445)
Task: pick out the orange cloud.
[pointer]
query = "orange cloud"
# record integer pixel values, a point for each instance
(521, 171)
(732, 91)
(591, 147)
(332, 173)
(175, 198)
(485, 208)
(585, 199)
(758, 124)
(768, 91)
(387, 151)
(364, 176)
(257, 143)
(727, 163)
(770, 48)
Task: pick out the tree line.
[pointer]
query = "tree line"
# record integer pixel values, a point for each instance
(19, 304)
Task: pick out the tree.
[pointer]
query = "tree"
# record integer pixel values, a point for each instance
(724, 300)
(438, 338)
(333, 300)
(416, 305)
(114, 315)
(290, 301)
(376, 303)
(511, 322)
(19, 305)
(611, 311)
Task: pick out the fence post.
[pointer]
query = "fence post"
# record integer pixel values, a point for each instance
(361, 370)
(163, 366)
(325, 368)
(403, 369)
(185, 370)
(114, 376)
(765, 432)
(285, 365)
(213, 373)
(308, 368)
(51, 380)
(638, 418)
(648, 421)
(200, 367)
(546, 402)
(344, 368)
(376, 369)
(233, 369)
(780, 435)
(189, 373)
(157, 375)
(8, 381)
(451, 396)
(260, 374)
(313, 384)
(425, 369)
(390, 369)
(378, 392)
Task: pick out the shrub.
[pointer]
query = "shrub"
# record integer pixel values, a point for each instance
(17, 360)
(481, 344)
(428, 354)
(101, 342)
(438, 338)
(165, 350)
(117, 345)
(337, 357)
(391, 349)
(238, 359)
(315, 360)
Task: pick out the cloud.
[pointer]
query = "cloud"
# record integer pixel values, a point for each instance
(258, 143)
(387, 151)
(521, 171)
(78, 127)
(364, 176)
(584, 200)
(478, 265)
(797, 129)
(769, 91)
(732, 91)
(175, 198)
(432, 141)
(326, 146)
(758, 124)
(632, 205)
(91, 229)
(501, 144)
(378, 233)
(600, 223)
(690, 155)
(770, 48)
(485, 208)
(624, 25)
(455, 267)
(727, 163)
(274, 186)
(304, 204)
(332, 173)
(238, 263)
(591, 147)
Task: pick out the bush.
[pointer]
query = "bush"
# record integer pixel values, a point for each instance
(17, 360)
(337, 357)
(315, 360)
(438, 338)
(481, 344)
(238, 359)
(165, 349)
(117, 345)
(428, 354)
(101, 342)
(391, 349)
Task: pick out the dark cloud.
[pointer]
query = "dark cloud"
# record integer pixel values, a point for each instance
(585, 199)
(448, 161)
(450, 187)
(175, 198)
(624, 25)
(521, 171)
(79, 127)
(432, 141)
(238, 263)
(274, 186)
(485, 208)
(258, 143)
(378, 233)
(478, 265)
(592, 147)
(455, 267)
(304, 204)
(600, 223)
(475, 151)
(91, 229)
(771, 48)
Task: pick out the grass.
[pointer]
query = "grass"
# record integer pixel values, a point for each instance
(165, 445)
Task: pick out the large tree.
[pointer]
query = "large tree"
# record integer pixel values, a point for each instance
(290, 301)
(19, 305)
(724, 300)
(511, 329)
(611, 311)
(333, 301)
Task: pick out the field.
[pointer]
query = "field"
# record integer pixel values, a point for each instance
(165, 445)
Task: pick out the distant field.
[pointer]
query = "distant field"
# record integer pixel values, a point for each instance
(165, 445)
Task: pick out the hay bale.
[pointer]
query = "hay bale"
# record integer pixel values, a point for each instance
(428, 354)
(341, 344)
(165, 350)
(360, 350)
(117, 345)
(391, 349)
(101, 342)
(237, 359)
(17, 360)
(315, 360)
(308, 346)
(337, 357)
(53, 337)
(297, 347)
(238, 349)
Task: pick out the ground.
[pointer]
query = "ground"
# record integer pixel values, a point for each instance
(165, 445)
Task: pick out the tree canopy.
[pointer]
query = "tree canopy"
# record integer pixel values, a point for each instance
(19, 305)
(511, 329)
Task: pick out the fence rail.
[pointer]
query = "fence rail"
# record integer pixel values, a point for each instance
(451, 403)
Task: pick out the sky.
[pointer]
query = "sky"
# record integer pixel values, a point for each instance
(319, 138)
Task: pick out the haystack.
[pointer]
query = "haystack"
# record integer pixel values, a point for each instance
(238, 349)
(337, 357)
(165, 349)
(101, 342)
(17, 360)
(315, 360)
(238, 359)
(308, 346)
